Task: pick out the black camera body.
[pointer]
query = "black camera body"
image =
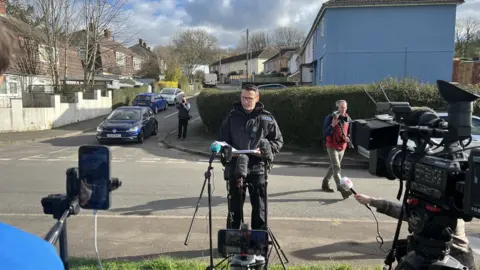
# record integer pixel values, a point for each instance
(442, 186)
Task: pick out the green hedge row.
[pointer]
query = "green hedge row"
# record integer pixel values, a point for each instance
(125, 96)
(300, 112)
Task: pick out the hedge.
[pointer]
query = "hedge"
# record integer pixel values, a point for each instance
(167, 84)
(125, 96)
(300, 111)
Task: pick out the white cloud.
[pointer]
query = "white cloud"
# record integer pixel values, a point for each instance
(158, 21)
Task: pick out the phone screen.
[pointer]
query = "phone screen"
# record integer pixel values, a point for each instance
(94, 173)
(237, 241)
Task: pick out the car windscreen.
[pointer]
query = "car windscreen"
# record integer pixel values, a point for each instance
(143, 97)
(168, 91)
(125, 115)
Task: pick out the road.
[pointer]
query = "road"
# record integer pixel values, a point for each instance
(151, 212)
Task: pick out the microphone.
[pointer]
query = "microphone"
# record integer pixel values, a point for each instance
(266, 152)
(241, 169)
(347, 184)
(214, 148)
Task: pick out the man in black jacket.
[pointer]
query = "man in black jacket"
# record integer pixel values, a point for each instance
(243, 129)
(183, 117)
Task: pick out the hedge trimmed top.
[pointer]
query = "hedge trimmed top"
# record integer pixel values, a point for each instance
(300, 111)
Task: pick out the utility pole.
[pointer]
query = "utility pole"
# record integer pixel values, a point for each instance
(247, 55)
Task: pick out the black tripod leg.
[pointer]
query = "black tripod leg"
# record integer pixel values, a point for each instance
(277, 246)
(195, 213)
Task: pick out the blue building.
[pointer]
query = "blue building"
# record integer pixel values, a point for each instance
(358, 41)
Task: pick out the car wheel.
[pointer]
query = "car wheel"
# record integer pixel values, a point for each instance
(155, 129)
(166, 106)
(140, 137)
(155, 111)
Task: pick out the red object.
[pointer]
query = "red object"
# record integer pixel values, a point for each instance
(336, 141)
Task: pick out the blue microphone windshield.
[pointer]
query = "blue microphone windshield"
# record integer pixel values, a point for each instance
(215, 147)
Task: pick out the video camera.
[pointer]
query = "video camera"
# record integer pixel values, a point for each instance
(87, 187)
(341, 118)
(442, 186)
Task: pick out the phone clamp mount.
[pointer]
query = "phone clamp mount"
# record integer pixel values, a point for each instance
(62, 206)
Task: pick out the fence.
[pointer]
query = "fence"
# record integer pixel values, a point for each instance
(20, 118)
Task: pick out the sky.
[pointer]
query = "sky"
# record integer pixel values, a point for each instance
(157, 21)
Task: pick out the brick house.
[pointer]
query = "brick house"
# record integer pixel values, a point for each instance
(112, 57)
(30, 66)
(147, 54)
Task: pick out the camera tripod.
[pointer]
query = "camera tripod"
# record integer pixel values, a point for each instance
(208, 175)
(273, 242)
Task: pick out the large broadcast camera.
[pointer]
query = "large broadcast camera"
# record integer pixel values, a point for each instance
(441, 186)
(87, 187)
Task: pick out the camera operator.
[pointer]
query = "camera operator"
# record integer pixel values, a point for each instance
(460, 250)
(19, 249)
(336, 129)
(243, 129)
(183, 118)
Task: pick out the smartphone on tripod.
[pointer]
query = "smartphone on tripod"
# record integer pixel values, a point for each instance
(94, 176)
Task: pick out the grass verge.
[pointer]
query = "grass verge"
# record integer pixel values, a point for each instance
(168, 263)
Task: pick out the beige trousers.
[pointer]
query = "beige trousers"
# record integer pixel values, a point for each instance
(336, 157)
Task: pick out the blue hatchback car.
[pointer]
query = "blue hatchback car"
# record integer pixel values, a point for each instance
(155, 101)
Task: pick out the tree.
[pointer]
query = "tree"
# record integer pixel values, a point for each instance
(466, 33)
(173, 74)
(101, 16)
(193, 47)
(256, 41)
(150, 68)
(287, 37)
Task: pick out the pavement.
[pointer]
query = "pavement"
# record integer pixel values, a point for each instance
(152, 211)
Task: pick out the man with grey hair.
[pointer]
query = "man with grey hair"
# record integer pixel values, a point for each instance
(335, 131)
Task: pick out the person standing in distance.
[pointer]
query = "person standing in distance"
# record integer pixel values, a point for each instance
(19, 249)
(335, 131)
(183, 118)
(243, 128)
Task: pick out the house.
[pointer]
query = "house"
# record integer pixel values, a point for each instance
(293, 68)
(29, 70)
(279, 62)
(147, 54)
(359, 42)
(305, 60)
(236, 65)
(112, 57)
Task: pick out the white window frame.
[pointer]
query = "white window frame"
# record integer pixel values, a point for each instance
(43, 54)
(81, 53)
(7, 83)
(120, 59)
(322, 27)
(137, 63)
(321, 69)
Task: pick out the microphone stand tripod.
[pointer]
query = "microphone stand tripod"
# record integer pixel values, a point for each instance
(208, 175)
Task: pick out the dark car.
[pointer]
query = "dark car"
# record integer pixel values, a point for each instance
(271, 86)
(155, 101)
(129, 123)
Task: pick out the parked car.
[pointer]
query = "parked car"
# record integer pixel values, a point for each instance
(271, 86)
(128, 124)
(172, 95)
(152, 100)
(475, 135)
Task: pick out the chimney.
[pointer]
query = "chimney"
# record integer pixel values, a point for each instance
(144, 44)
(3, 7)
(107, 34)
(140, 41)
(149, 48)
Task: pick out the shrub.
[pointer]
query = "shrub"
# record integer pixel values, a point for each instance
(167, 84)
(125, 96)
(300, 111)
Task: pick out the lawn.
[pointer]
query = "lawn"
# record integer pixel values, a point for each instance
(166, 263)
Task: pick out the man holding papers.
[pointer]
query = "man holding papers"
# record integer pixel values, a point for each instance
(243, 128)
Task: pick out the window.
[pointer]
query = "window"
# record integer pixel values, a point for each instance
(81, 53)
(322, 27)
(3, 88)
(475, 126)
(120, 59)
(13, 85)
(44, 52)
(320, 65)
(137, 63)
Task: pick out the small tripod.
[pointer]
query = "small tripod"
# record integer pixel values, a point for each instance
(208, 175)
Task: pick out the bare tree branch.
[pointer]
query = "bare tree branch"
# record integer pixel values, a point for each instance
(256, 41)
(466, 32)
(287, 37)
